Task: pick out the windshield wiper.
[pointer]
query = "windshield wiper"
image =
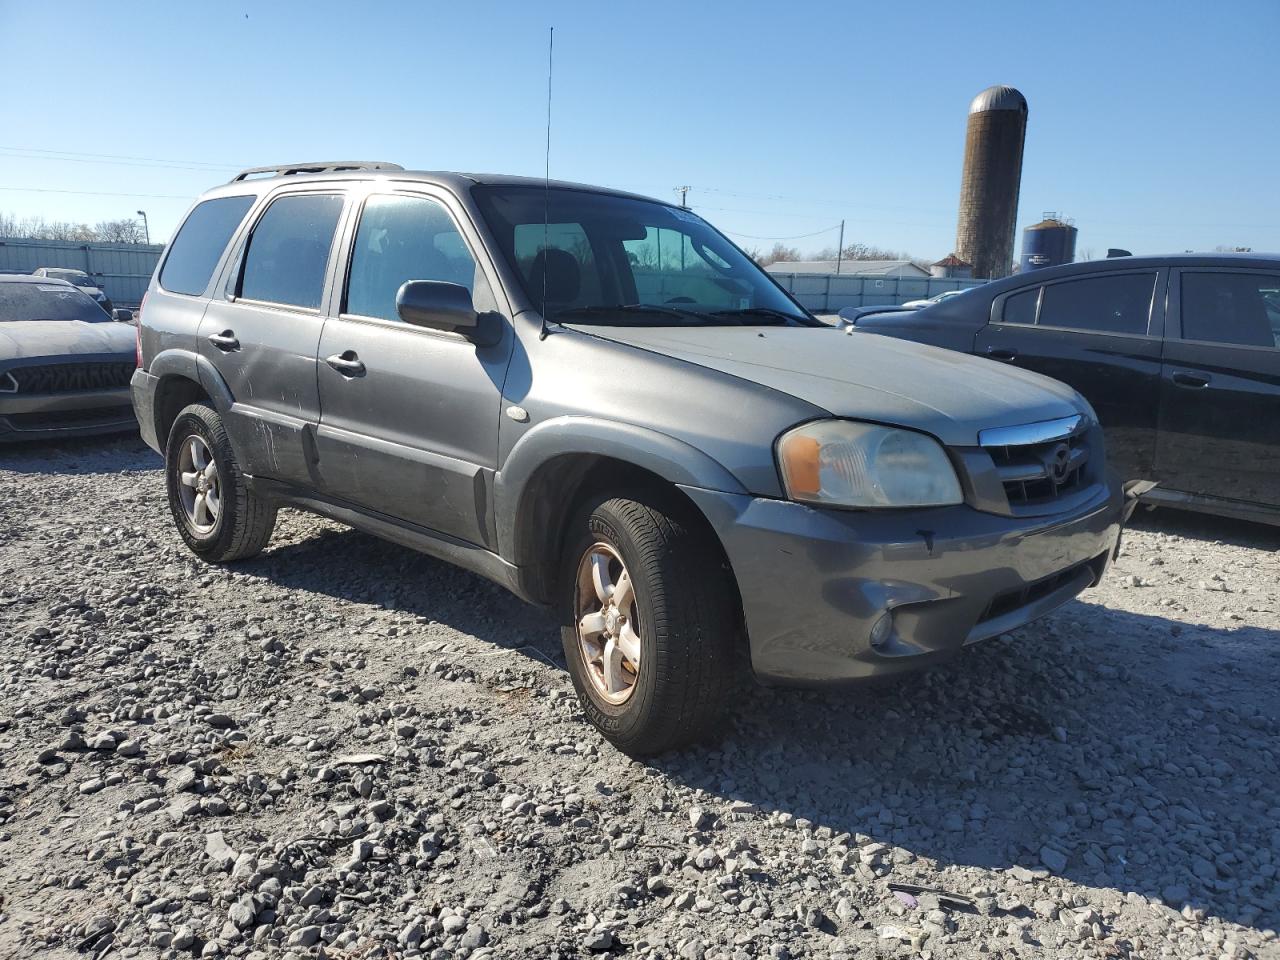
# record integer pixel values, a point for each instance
(763, 312)
(650, 308)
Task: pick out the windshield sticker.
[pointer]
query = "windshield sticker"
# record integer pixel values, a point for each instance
(685, 215)
(50, 288)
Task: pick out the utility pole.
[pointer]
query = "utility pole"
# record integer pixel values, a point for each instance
(840, 248)
(146, 227)
(684, 195)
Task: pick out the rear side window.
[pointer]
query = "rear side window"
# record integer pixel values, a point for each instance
(194, 252)
(1236, 308)
(289, 250)
(1021, 307)
(1114, 304)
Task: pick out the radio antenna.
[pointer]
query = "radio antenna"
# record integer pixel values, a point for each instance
(546, 195)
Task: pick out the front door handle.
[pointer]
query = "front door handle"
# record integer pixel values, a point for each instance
(1002, 353)
(1192, 381)
(225, 341)
(346, 363)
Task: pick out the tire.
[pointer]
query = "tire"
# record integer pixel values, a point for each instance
(242, 523)
(683, 598)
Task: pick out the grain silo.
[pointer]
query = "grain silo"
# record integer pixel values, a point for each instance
(989, 184)
(1048, 243)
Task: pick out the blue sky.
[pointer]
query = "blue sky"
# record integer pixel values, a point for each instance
(1151, 124)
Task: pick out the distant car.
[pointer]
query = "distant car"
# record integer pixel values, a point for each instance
(1179, 355)
(81, 280)
(940, 298)
(855, 314)
(64, 364)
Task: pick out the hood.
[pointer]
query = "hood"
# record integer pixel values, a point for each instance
(947, 394)
(60, 338)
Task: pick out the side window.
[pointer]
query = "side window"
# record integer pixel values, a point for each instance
(1114, 304)
(1238, 308)
(407, 238)
(572, 277)
(289, 249)
(1021, 307)
(194, 252)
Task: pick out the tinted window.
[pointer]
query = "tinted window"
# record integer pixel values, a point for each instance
(194, 252)
(1240, 308)
(407, 238)
(1116, 304)
(48, 301)
(289, 250)
(1021, 307)
(531, 238)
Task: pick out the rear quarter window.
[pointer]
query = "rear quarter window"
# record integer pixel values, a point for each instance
(1021, 307)
(194, 252)
(1120, 303)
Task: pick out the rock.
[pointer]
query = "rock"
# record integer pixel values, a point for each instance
(219, 851)
(91, 786)
(453, 924)
(1051, 858)
(243, 912)
(699, 818)
(304, 936)
(599, 939)
(129, 748)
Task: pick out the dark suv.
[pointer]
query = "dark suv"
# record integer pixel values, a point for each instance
(1179, 355)
(598, 401)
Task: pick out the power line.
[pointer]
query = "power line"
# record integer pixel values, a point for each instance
(101, 193)
(799, 236)
(113, 163)
(121, 156)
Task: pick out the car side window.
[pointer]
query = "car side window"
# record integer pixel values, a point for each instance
(1234, 308)
(1119, 303)
(288, 251)
(195, 251)
(1021, 307)
(403, 238)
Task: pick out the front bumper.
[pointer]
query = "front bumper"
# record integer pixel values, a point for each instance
(80, 413)
(815, 582)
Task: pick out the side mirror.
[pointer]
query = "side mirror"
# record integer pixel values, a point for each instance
(122, 316)
(447, 306)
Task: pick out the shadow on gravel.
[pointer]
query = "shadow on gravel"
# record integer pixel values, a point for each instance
(352, 566)
(1049, 740)
(117, 453)
(1203, 526)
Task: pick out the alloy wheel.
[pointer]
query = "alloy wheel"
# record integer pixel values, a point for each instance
(607, 623)
(199, 485)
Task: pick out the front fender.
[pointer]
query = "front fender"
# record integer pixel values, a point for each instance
(669, 458)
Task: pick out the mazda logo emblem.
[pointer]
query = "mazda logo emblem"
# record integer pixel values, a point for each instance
(1059, 463)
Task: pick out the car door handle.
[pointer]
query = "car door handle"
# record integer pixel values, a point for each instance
(226, 340)
(1192, 381)
(346, 363)
(1002, 353)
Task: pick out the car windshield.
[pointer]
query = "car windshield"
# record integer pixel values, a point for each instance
(596, 258)
(47, 301)
(72, 276)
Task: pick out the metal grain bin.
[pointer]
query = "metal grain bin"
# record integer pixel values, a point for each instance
(1048, 243)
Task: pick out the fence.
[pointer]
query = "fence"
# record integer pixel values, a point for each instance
(122, 270)
(829, 292)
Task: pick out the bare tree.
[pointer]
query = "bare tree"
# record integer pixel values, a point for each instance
(780, 254)
(119, 231)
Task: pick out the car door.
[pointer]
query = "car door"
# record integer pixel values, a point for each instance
(1101, 334)
(409, 415)
(261, 334)
(1220, 386)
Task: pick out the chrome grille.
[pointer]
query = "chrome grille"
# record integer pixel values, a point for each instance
(1038, 463)
(70, 377)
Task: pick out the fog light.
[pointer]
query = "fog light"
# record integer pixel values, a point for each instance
(881, 631)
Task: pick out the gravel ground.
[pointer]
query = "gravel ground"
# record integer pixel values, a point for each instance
(345, 749)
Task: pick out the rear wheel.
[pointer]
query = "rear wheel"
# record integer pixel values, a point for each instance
(649, 625)
(219, 518)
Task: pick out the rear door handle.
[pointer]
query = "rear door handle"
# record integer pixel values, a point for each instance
(1002, 353)
(226, 340)
(1192, 381)
(346, 363)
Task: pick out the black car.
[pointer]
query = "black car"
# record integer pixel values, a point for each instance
(1179, 355)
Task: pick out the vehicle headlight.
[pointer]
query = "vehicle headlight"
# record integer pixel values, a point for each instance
(843, 463)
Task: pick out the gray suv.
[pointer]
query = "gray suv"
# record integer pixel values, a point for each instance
(598, 401)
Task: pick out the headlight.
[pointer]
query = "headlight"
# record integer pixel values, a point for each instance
(842, 463)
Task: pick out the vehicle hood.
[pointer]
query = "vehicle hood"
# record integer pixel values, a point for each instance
(60, 338)
(947, 394)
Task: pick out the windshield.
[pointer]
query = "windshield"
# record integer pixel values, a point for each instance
(47, 301)
(72, 276)
(602, 259)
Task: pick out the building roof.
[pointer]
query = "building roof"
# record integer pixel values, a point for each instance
(852, 268)
(951, 260)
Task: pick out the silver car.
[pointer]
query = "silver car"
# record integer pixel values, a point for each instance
(598, 401)
(81, 280)
(64, 364)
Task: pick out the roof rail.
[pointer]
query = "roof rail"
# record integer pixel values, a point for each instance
(320, 166)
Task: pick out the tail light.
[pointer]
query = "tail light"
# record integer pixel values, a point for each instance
(137, 333)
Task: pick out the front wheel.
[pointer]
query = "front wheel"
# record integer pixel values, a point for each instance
(219, 518)
(649, 625)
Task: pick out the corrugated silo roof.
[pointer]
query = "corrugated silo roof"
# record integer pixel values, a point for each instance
(998, 98)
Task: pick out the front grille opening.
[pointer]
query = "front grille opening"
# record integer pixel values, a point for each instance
(71, 377)
(1012, 600)
(1040, 473)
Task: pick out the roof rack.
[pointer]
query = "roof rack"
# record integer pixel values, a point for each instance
(320, 166)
